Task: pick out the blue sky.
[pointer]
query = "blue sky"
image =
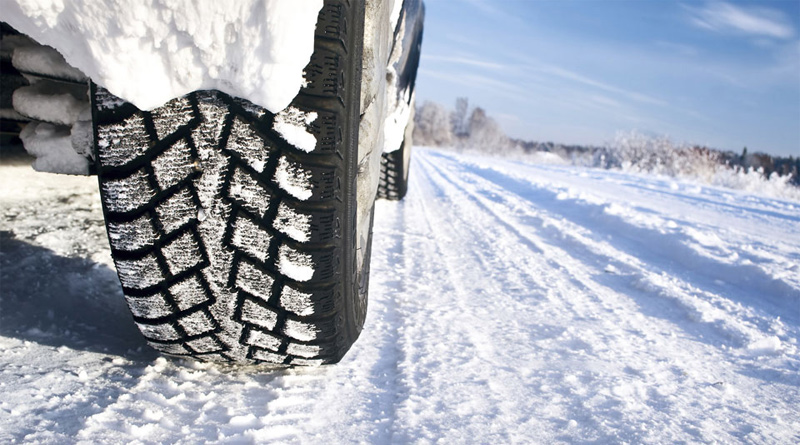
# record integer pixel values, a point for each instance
(721, 74)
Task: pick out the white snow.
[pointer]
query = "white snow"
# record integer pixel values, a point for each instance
(299, 330)
(297, 302)
(151, 51)
(254, 281)
(293, 179)
(37, 59)
(245, 142)
(52, 147)
(139, 274)
(248, 192)
(395, 125)
(509, 303)
(130, 193)
(293, 224)
(295, 265)
(248, 236)
(50, 102)
(292, 124)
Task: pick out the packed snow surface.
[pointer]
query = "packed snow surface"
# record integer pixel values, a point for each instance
(151, 51)
(509, 303)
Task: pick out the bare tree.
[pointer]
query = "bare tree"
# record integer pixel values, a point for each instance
(458, 118)
(432, 126)
(484, 133)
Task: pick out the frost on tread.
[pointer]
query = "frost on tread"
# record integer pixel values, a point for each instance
(231, 242)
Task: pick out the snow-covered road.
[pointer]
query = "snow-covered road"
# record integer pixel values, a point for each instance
(509, 303)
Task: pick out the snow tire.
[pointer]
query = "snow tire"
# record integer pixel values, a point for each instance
(393, 184)
(231, 243)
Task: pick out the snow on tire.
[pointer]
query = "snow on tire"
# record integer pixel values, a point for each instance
(233, 230)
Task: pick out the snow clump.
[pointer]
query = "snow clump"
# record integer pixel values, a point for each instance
(151, 51)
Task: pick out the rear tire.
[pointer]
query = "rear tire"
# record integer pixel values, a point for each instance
(231, 243)
(393, 184)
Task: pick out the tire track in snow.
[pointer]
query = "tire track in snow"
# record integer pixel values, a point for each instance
(657, 333)
(447, 327)
(553, 391)
(655, 259)
(682, 232)
(563, 389)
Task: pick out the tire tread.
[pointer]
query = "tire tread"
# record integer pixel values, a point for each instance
(163, 173)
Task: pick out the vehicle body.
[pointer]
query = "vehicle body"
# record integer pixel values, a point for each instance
(240, 226)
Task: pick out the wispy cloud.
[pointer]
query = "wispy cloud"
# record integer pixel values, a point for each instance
(495, 86)
(680, 49)
(575, 77)
(493, 9)
(465, 60)
(604, 101)
(753, 21)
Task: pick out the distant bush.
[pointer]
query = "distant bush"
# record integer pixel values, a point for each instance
(462, 128)
(659, 155)
(474, 130)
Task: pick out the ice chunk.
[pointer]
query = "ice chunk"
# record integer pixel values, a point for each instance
(299, 330)
(188, 293)
(131, 235)
(127, 194)
(121, 143)
(196, 323)
(249, 193)
(263, 340)
(163, 332)
(182, 254)
(139, 274)
(259, 315)
(308, 351)
(154, 306)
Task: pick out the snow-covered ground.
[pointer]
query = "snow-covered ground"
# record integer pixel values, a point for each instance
(509, 303)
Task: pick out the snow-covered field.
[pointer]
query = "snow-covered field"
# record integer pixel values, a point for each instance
(509, 303)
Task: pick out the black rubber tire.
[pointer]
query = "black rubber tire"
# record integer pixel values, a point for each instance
(393, 184)
(230, 243)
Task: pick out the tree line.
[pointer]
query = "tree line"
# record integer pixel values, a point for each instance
(466, 129)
